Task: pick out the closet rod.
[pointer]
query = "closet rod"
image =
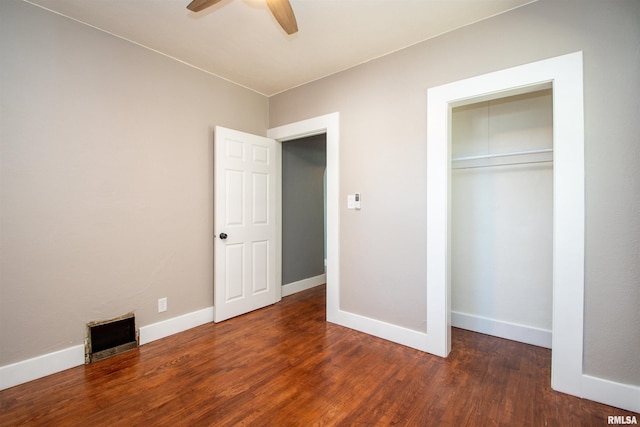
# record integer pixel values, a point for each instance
(491, 156)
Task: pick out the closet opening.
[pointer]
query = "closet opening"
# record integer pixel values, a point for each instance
(502, 217)
(564, 74)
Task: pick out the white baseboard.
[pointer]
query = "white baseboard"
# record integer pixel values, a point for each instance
(497, 328)
(174, 325)
(41, 366)
(58, 361)
(303, 285)
(380, 329)
(611, 393)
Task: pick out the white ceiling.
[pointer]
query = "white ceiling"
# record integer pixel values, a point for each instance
(240, 41)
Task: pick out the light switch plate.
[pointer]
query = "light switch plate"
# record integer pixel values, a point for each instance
(351, 201)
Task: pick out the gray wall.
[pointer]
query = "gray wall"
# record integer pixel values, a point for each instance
(106, 196)
(303, 164)
(383, 111)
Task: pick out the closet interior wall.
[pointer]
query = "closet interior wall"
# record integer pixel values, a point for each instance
(502, 217)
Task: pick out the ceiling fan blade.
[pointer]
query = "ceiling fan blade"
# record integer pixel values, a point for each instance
(282, 11)
(198, 5)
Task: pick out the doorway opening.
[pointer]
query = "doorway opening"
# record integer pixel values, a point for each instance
(304, 162)
(248, 216)
(565, 76)
(502, 217)
(329, 125)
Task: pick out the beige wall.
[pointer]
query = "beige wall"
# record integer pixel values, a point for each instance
(106, 173)
(106, 179)
(382, 107)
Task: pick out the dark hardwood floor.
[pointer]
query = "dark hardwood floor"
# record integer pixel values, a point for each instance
(285, 366)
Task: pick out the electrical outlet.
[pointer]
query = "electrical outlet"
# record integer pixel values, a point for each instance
(162, 305)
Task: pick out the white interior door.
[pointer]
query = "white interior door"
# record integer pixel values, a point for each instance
(245, 184)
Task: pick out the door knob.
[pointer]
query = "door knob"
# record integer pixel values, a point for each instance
(223, 236)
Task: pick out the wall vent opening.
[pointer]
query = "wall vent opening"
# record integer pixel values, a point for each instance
(107, 338)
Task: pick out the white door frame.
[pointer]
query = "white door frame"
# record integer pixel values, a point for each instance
(564, 74)
(330, 125)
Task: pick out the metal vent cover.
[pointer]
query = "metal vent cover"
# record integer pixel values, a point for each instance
(106, 338)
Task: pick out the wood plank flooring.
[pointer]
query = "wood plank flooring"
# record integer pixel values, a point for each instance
(285, 366)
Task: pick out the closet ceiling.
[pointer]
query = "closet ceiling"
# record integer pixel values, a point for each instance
(239, 40)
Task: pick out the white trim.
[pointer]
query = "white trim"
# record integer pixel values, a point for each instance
(380, 329)
(329, 124)
(278, 240)
(168, 327)
(611, 393)
(566, 77)
(41, 366)
(499, 328)
(303, 285)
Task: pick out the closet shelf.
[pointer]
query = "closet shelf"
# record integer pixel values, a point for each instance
(491, 156)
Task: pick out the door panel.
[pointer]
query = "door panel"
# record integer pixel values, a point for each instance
(245, 211)
(260, 266)
(235, 197)
(260, 205)
(234, 275)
